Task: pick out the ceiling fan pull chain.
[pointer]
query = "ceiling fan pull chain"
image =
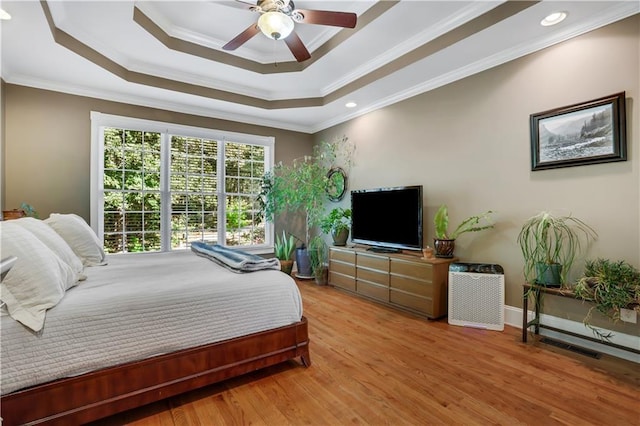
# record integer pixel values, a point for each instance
(275, 58)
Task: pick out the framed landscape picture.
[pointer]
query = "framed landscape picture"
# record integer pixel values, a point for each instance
(587, 133)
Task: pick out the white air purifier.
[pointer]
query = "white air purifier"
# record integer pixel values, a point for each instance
(476, 295)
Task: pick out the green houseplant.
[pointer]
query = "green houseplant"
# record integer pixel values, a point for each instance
(283, 249)
(301, 187)
(337, 224)
(318, 258)
(444, 241)
(610, 286)
(550, 244)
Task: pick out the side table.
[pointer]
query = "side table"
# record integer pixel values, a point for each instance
(535, 291)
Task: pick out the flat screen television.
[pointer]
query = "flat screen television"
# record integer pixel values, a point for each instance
(388, 219)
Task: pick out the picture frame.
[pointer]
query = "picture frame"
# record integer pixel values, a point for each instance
(587, 133)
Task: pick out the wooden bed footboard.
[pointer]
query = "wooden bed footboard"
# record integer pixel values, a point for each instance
(99, 394)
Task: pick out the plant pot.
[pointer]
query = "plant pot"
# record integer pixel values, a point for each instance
(322, 276)
(340, 237)
(286, 266)
(304, 264)
(444, 248)
(549, 274)
(12, 214)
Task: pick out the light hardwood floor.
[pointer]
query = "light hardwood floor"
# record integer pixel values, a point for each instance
(375, 365)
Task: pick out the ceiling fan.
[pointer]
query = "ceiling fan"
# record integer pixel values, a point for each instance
(276, 21)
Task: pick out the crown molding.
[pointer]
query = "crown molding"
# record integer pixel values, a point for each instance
(623, 11)
(179, 107)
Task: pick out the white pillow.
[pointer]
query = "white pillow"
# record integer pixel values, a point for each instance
(51, 239)
(80, 237)
(38, 279)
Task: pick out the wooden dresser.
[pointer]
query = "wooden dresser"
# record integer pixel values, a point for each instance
(402, 281)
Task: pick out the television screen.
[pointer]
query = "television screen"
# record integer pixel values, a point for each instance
(387, 217)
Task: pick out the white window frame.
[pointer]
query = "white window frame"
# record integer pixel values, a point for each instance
(101, 120)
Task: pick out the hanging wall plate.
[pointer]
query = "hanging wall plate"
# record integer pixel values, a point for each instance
(337, 184)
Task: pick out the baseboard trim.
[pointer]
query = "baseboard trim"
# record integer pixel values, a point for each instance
(513, 317)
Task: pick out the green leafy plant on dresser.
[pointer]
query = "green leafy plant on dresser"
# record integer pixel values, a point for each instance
(337, 224)
(444, 241)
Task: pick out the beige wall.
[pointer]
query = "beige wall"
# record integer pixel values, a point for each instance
(48, 145)
(468, 144)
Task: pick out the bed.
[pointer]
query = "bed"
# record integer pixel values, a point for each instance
(142, 328)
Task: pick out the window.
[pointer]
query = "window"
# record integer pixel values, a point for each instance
(158, 186)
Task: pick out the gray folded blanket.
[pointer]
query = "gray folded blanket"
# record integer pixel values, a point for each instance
(234, 260)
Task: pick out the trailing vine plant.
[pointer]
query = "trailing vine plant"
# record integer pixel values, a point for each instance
(610, 286)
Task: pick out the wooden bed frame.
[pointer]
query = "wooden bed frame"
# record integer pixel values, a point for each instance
(98, 394)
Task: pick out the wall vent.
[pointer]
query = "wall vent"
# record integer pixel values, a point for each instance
(476, 295)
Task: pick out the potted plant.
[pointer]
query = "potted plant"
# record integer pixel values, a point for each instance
(24, 210)
(337, 224)
(302, 187)
(610, 286)
(299, 187)
(283, 249)
(318, 257)
(550, 244)
(444, 242)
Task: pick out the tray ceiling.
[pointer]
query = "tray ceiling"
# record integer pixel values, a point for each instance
(168, 54)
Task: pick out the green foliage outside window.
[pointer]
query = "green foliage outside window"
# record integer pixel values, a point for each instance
(133, 200)
(132, 190)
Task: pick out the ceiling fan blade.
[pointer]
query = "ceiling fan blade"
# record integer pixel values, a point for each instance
(242, 38)
(323, 17)
(238, 4)
(297, 47)
(251, 2)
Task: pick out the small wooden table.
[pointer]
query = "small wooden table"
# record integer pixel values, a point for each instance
(535, 291)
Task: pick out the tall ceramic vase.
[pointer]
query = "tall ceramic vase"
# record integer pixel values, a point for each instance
(303, 263)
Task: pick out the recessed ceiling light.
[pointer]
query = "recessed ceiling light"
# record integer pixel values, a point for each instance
(351, 104)
(4, 15)
(554, 18)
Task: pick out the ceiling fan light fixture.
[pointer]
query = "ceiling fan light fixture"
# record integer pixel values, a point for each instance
(275, 25)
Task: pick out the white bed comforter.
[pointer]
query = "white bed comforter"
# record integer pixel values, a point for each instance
(143, 305)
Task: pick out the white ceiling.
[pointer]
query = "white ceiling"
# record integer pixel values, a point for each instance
(412, 47)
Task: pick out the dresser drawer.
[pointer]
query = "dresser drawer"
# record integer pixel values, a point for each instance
(348, 256)
(343, 281)
(377, 277)
(418, 270)
(343, 268)
(417, 303)
(373, 262)
(374, 291)
(410, 285)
